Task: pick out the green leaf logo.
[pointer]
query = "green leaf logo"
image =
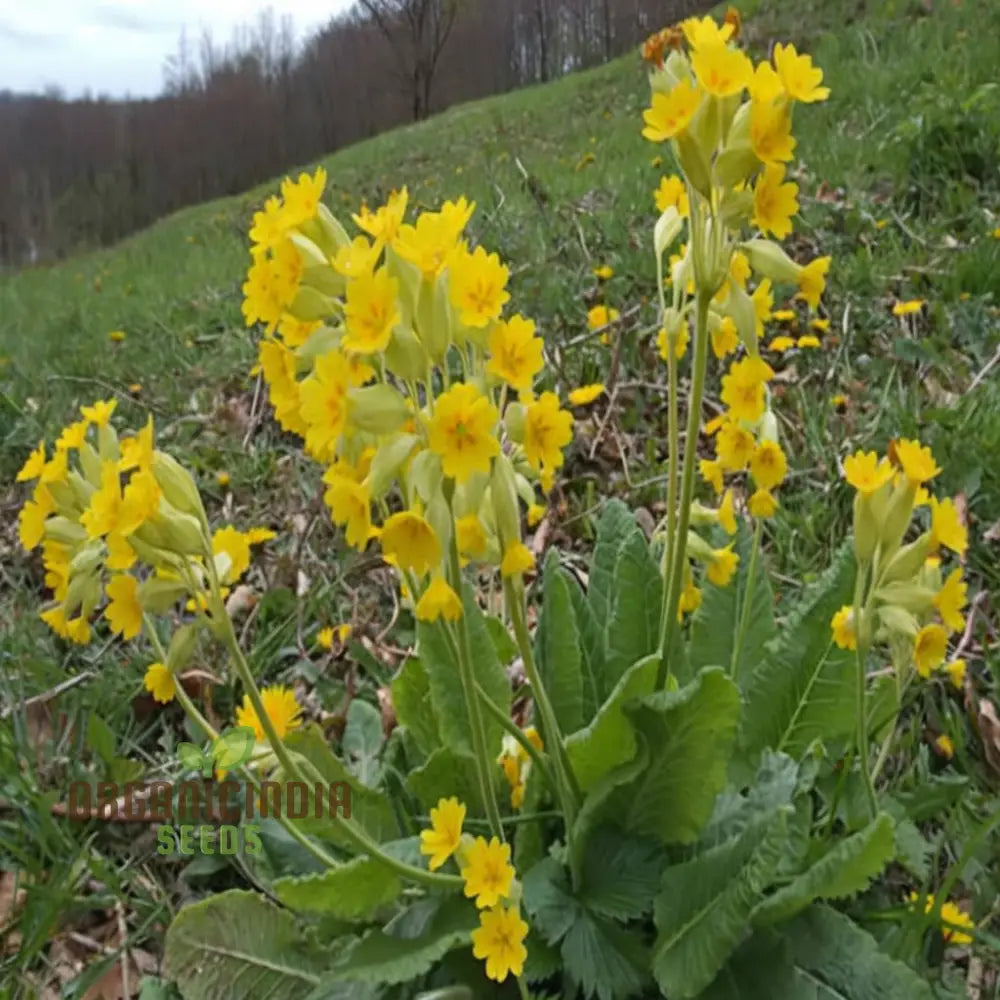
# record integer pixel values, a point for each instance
(233, 747)
(194, 759)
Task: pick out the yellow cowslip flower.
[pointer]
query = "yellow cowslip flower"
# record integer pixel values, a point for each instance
(441, 841)
(534, 514)
(951, 918)
(325, 637)
(280, 707)
(472, 542)
(31, 520)
(515, 352)
(295, 332)
(768, 465)
(604, 272)
(812, 281)
(950, 600)
(762, 504)
(711, 472)
(842, 625)
(76, 630)
(929, 648)
(137, 449)
(956, 673)
(349, 502)
(33, 465)
(121, 556)
(733, 447)
(774, 201)
(945, 746)
(517, 559)
(780, 344)
(383, 224)
(409, 540)
(601, 315)
(799, 78)
(866, 473)
(704, 32)
(807, 341)
(236, 545)
(55, 559)
(499, 940)
(160, 683)
(763, 301)
(477, 286)
(690, 599)
(547, 430)
(679, 341)
(301, 197)
(99, 413)
(586, 394)
(323, 404)
(124, 612)
(739, 268)
(723, 71)
(766, 86)
(269, 226)
(726, 513)
(946, 526)
(103, 513)
(428, 243)
(356, 258)
(371, 310)
(722, 566)
(771, 132)
(915, 460)
(743, 388)
(671, 113)
(725, 338)
(439, 600)
(140, 502)
(672, 191)
(487, 871)
(462, 431)
(72, 436)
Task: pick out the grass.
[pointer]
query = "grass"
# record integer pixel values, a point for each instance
(900, 177)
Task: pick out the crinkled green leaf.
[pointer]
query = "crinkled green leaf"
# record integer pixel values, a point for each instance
(557, 645)
(616, 524)
(354, 891)
(362, 741)
(444, 774)
(411, 701)
(591, 651)
(605, 960)
(620, 874)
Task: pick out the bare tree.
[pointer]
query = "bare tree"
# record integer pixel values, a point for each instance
(425, 25)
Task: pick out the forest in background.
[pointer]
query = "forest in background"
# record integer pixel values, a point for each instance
(84, 172)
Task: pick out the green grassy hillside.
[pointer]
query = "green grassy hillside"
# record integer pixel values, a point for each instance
(900, 179)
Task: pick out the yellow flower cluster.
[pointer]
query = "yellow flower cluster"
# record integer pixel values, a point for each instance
(908, 602)
(121, 524)
(489, 879)
(952, 918)
(516, 764)
(391, 356)
(729, 123)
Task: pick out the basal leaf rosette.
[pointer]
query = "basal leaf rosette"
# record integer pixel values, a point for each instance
(392, 355)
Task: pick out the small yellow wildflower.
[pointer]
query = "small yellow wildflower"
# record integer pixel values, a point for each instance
(946, 526)
(733, 446)
(929, 649)
(908, 308)
(951, 918)
(762, 504)
(812, 281)
(774, 202)
(439, 600)
(819, 324)
(723, 565)
(280, 707)
(124, 612)
(159, 682)
(771, 132)
(956, 671)
(723, 71)
(517, 559)
(604, 272)
(711, 472)
(33, 465)
(866, 473)
(535, 513)
(726, 513)
(672, 191)
(472, 541)
(548, 429)
(768, 465)
(349, 502)
(116, 336)
(945, 746)
(515, 352)
(462, 431)
(586, 394)
(441, 841)
(100, 412)
(842, 625)
(499, 940)
(781, 343)
(409, 539)
(950, 600)
(725, 338)
(487, 871)
(800, 79)
(477, 285)
(371, 311)
(915, 460)
(671, 113)
(743, 388)
(601, 315)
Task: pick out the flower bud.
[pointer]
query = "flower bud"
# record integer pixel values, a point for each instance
(91, 463)
(767, 429)
(434, 318)
(64, 531)
(698, 548)
(377, 409)
(405, 356)
(514, 421)
(735, 208)
(178, 487)
(325, 279)
(910, 597)
(866, 529)
(908, 561)
(897, 517)
(175, 531)
(320, 342)
(107, 443)
(898, 621)
(740, 306)
(387, 462)
(182, 646)
(310, 254)
(666, 230)
(158, 595)
(88, 559)
(408, 276)
(503, 492)
(326, 231)
(768, 259)
(694, 163)
(311, 304)
(81, 491)
(426, 475)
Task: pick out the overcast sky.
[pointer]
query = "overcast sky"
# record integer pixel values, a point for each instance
(118, 47)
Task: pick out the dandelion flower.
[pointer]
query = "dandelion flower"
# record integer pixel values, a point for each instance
(586, 394)
(280, 707)
(601, 315)
(908, 308)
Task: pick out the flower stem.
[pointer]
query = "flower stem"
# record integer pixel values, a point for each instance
(861, 708)
(480, 749)
(672, 585)
(734, 667)
(570, 795)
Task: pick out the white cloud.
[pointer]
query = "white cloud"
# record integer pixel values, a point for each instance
(118, 47)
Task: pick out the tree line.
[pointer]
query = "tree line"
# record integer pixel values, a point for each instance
(85, 172)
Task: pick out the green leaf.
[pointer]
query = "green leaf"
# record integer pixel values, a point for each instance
(411, 699)
(100, 738)
(369, 808)
(620, 875)
(804, 687)
(354, 891)
(609, 739)
(591, 650)
(233, 747)
(193, 758)
(845, 870)
(410, 944)
(606, 960)
(238, 946)
(557, 645)
(715, 627)
(704, 906)
(548, 901)
(446, 773)
(362, 742)
(633, 630)
(444, 677)
(689, 734)
(616, 524)
(503, 641)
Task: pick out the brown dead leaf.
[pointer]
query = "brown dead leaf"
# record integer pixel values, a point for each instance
(240, 601)
(989, 731)
(12, 895)
(992, 533)
(388, 710)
